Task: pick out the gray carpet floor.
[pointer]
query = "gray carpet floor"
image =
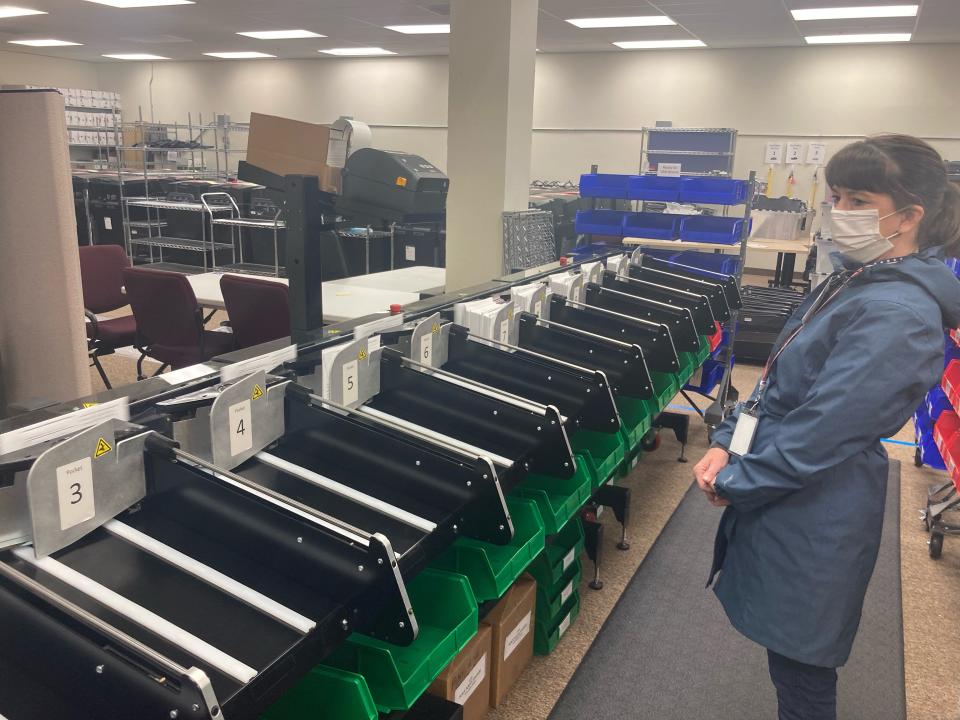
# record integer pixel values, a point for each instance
(667, 651)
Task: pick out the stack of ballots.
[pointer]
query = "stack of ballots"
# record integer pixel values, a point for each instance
(489, 318)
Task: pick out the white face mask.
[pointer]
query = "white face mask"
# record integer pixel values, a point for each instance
(857, 236)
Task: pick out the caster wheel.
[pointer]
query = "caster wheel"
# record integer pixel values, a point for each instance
(596, 584)
(623, 546)
(935, 545)
(650, 442)
(917, 460)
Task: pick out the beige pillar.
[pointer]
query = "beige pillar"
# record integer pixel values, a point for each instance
(42, 333)
(490, 118)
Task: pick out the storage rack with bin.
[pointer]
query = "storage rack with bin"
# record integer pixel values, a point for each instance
(699, 151)
(155, 241)
(237, 224)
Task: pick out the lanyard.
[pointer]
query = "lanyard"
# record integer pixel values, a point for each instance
(839, 281)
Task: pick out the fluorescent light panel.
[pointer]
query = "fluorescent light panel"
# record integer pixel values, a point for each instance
(141, 3)
(136, 56)
(849, 13)
(655, 44)
(864, 38)
(358, 51)
(280, 34)
(48, 42)
(243, 55)
(9, 11)
(420, 29)
(618, 22)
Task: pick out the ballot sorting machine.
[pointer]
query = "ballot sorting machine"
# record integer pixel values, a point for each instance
(195, 554)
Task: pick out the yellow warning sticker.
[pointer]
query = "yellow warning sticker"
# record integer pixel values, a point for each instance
(435, 329)
(90, 404)
(103, 447)
(257, 392)
(362, 354)
(401, 181)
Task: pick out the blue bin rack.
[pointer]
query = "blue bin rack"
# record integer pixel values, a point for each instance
(653, 226)
(711, 229)
(653, 187)
(710, 376)
(712, 262)
(927, 450)
(936, 402)
(713, 191)
(601, 185)
(600, 222)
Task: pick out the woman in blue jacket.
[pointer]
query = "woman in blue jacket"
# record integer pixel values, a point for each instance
(799, 465)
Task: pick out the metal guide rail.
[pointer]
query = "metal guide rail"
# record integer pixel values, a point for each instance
(199, 560)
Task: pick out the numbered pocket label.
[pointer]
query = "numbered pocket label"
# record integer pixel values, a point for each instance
(426, 349)
(505, 332)
(75, 493)
(241, 428)
(351, 382)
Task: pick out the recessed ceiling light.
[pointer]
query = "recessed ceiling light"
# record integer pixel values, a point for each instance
(43, 43)
(141, 3)
(358, 51)
(653, 44)
(847, 13)
(245, 55)
(865, 38)
(9, 11)
(280, 34)
(616, 22)
(419, 29)
(136, 56)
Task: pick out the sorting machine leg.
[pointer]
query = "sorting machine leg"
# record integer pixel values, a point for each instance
(680, 424)
(617, 498)
(594, 543)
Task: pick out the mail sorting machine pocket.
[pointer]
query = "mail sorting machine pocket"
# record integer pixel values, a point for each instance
(728, 283)
(130, 564)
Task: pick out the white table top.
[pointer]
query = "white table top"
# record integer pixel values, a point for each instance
(339, 302)
(416, 279)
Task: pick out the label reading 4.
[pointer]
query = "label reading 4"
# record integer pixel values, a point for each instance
(351, 383)
(75, 493)
(241, 427)
(426, 349)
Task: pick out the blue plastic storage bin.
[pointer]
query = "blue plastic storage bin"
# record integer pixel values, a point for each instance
(936, 402)
(713, 191)
(710, 377)
(581, 252)
(713, 262)
(653, 226)
(926, 445)
(711, 229)
(600, 185)
(600, 222)
(954, 264)
(653, 187)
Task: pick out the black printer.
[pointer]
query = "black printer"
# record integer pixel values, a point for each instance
(399, 182)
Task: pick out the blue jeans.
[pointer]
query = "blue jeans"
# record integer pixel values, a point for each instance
(804, 692)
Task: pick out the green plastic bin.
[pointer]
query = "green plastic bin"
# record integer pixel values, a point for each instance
(558, 500)
(602, 453)
(325, 693)
(447, 615)
(547, 637)
(491, 568)
(550, 600)
(556, 559)
(636, 418)
(689, 362)
(704, 351)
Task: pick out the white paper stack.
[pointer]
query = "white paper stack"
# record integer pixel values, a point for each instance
(529, 298)
(568, 286)
(592, 272)
(488, 318)
(619, 264)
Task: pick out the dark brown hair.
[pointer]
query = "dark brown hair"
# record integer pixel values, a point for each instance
(910, 171)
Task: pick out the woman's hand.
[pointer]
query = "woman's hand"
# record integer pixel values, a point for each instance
(706, 471)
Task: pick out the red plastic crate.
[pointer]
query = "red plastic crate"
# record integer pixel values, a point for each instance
(717, 337)
(945, 430)
(955, 335)
(951, 382)
(951, 458)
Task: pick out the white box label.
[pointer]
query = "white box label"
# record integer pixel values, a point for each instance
(351, 383)
(668, 169)
(568, 559)
(566, 593)
(107, 223)
(75, 493)
(516, 636)
(426, 349)
(241, 427)
(410, 253)
(565, 625)
(505, 331)
(794, 152)
(471, 682)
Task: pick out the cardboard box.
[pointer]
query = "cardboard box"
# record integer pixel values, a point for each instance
(511, 625)
(291, 147)
(466, 680)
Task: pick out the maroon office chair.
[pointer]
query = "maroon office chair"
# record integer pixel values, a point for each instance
(101, 275)
(169, 321)
(259, 309)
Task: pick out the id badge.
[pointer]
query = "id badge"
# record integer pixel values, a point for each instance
(743, 433)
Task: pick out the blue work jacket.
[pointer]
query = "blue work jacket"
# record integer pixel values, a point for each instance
(797, 546)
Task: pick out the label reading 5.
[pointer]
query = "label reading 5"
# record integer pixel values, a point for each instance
(426, 349)
(241, 428)
(75, 493)
(351, 383)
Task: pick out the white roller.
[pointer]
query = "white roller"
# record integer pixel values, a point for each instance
(440, 437)
(165, 629)
(213, 577)
(347, 492)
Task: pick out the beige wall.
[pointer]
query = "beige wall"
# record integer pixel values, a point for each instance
(30, 69)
